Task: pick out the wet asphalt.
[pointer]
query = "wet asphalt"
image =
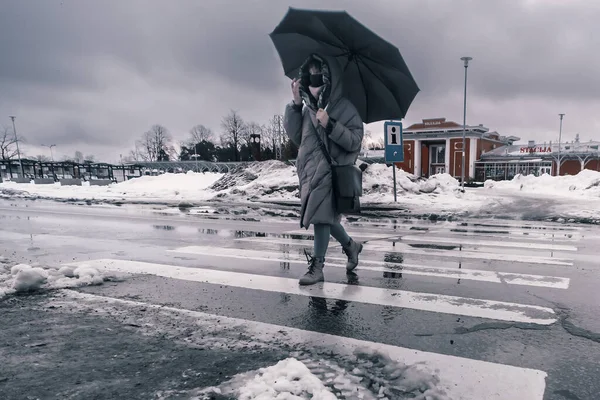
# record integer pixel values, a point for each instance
(568, 350)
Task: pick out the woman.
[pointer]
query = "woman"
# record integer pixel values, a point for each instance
(336, 121)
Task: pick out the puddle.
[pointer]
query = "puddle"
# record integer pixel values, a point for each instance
(395, 258)
(478, 231)
(164, 227)
(432, 246)
(392, 275)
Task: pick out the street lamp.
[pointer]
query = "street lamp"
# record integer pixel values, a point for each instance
(559, 144)
(17, 143)
(464, 143)
(50, 146)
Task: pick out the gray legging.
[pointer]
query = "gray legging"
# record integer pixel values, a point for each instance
(322, 232)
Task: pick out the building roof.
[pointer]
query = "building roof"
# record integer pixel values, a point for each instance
(533, 149)
(433, 123)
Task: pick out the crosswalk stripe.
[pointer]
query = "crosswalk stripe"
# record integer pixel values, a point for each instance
(459, 378)
(409, 269)
(463, 241)
(455, 305)
(372, 246)
(362, 234)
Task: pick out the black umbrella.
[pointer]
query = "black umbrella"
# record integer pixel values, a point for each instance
(376, 79)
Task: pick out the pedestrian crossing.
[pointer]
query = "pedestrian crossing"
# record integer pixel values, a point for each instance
(505, 263)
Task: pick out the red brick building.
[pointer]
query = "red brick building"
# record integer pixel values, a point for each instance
(434, 146)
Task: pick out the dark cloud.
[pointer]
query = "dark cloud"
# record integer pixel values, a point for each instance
(99, 73)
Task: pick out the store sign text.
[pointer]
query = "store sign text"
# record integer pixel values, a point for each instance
(536, 150)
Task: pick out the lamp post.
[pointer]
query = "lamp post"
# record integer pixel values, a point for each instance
(17, 143)
(559, 144)
(464, 141)
(50, 147)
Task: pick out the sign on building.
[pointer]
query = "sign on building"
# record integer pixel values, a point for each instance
(394, 149)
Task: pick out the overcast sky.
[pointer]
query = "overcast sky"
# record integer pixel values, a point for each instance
(93, 75)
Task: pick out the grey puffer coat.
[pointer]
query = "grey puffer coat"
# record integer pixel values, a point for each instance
(343, 137)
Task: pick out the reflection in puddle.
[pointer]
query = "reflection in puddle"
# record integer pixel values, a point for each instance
(432, 246)
(230, 233)
(164, 227)
(396, 258)
(392, 275)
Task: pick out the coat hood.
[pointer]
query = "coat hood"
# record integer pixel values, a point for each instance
(332, 92)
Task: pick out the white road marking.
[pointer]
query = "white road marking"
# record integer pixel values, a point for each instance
(460, 378)
(409, 269)
(369, 235)
(403, 248)
(488, 243)
(455, 305)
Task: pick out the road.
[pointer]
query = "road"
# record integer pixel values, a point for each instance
(482, 308)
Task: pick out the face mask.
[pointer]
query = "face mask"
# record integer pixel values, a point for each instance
(316, 80)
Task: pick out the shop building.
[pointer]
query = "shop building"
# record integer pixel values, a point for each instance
(434, 146)
(538, 159)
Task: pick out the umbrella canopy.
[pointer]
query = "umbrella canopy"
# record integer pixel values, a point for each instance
(375, 77)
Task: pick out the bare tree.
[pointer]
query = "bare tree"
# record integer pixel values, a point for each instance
(155, 144)
(42, 158)
(89, 158)
(367, 138)
(234, 130)
(79, 157)
(200, 133)
(8, 148)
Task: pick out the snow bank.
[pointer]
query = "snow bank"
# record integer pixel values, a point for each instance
(23, 278)
(164, 187)
(584, 184)
(261, 181)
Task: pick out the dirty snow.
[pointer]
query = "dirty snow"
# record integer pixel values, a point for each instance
(24, 278)
(288, 379)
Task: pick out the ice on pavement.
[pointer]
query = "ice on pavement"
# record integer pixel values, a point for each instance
(22, 278)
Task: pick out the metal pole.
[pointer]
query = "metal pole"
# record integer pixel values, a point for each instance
(559, 144)
(50, 147)
(464, 141)
(17, 143)
(395, 194)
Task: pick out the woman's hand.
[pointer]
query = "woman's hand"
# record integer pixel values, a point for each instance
(323, 117)
(296, 92)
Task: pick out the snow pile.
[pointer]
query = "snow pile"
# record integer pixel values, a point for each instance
(367, 375)
(272, 180)
(23, 278)
(288, 379)
(586, 184)
(378, 185)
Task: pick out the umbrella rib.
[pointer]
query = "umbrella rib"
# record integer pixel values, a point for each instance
(366, 91)
(377, 76)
